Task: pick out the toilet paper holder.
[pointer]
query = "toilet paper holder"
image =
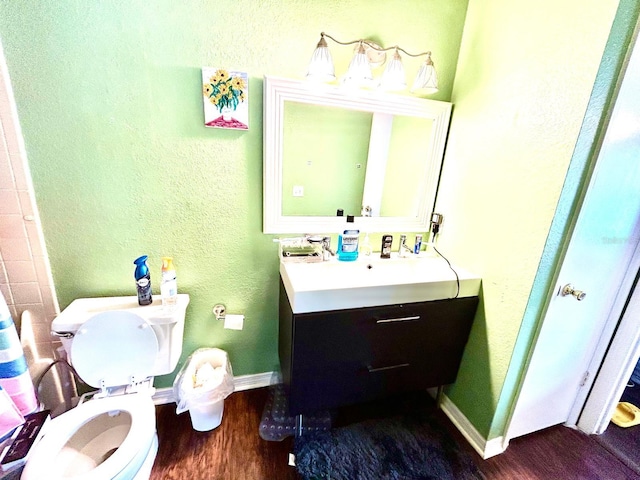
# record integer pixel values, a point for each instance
(219, 310)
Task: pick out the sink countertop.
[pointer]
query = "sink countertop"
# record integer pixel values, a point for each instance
(373, 281)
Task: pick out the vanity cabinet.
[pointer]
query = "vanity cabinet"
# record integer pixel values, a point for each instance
(341, 357)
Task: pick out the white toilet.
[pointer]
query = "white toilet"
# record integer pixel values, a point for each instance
(118, 347)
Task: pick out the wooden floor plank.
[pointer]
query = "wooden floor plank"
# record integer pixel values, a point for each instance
(235, 450)
(555, 453)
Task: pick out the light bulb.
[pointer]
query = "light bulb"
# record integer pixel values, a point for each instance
(393, 77)
(427, 78)
(359, 71)
(321, 65)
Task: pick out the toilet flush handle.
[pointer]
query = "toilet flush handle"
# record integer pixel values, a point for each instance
(63, 334)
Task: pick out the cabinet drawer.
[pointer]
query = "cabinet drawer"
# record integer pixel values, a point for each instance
(349, 356)
(348, 384)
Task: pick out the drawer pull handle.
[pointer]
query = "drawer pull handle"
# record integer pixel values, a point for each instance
(401, 319)
(382, 369)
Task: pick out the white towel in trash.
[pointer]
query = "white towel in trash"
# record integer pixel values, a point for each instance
(207, 376)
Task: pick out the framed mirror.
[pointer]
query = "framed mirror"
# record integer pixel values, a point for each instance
(374, 155)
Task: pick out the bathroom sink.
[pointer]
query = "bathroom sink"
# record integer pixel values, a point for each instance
(372, 281)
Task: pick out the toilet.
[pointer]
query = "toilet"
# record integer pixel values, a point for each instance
(116, 346)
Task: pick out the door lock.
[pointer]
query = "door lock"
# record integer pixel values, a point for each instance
(569, 290)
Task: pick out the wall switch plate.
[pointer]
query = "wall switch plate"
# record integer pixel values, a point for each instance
(298, 191)
(234, 322)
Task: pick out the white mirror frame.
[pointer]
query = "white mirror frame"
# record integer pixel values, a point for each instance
(277, 91)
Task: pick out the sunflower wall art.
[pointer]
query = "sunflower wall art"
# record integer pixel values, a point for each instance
(226, 98)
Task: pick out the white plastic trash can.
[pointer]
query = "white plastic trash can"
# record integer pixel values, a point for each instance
(205, 417)
(201, 386)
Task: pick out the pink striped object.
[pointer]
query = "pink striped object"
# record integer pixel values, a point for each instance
(14, 373)
(10, 416)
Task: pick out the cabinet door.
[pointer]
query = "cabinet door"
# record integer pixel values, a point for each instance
(350, 356)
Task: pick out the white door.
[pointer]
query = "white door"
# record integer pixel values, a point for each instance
(572, 340)
(616, 368)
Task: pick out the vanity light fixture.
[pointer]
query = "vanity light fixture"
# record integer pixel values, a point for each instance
(369, 54)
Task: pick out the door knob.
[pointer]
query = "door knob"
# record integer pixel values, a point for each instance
(569, 290)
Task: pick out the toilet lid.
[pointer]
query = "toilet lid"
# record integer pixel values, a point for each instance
(113, 347)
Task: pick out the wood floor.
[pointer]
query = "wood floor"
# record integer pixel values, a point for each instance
(625, 442)
(235, 450)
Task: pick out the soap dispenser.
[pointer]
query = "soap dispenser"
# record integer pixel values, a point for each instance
(168, 285)
(365, 245)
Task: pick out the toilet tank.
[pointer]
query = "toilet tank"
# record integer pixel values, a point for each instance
(168, 326)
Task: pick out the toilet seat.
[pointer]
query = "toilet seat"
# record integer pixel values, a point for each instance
(140, 407)
(114, 348)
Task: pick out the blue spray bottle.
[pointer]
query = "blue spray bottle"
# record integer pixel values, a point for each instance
(143, 280)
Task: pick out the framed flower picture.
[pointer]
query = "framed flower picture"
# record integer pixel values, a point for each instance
(226, 98)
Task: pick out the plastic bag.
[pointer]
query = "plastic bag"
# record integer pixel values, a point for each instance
(206, 377)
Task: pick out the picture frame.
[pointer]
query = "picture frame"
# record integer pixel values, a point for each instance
(225, 95)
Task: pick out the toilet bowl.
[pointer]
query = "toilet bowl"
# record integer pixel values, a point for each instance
(111, 436)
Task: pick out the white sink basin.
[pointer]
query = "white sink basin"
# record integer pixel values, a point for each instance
(372, 281)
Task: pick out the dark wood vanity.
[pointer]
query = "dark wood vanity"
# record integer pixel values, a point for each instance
(340, 357)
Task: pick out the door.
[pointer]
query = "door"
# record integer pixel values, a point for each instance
(599, 260)
(617, 367)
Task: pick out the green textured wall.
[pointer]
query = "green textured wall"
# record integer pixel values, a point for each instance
(109, 99)
(517, 152)
(582, 161)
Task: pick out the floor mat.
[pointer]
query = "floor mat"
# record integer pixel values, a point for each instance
(408, 446)
(276, 423)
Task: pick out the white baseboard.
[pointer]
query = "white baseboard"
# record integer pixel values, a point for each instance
(163, 396)
(255, 380)
(486, 449)
(242, 382)
(495, 446)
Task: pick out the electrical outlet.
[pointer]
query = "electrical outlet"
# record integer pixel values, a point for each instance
(298, 191)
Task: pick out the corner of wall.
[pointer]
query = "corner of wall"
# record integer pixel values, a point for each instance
(624, 27)
(485, 448)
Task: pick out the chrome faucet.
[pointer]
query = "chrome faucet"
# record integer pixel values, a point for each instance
(327, 253)
(403, 249)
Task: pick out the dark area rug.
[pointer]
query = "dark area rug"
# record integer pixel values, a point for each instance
(410, 445)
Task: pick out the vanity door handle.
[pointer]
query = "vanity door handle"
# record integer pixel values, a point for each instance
(399, 319)
(390, 367)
